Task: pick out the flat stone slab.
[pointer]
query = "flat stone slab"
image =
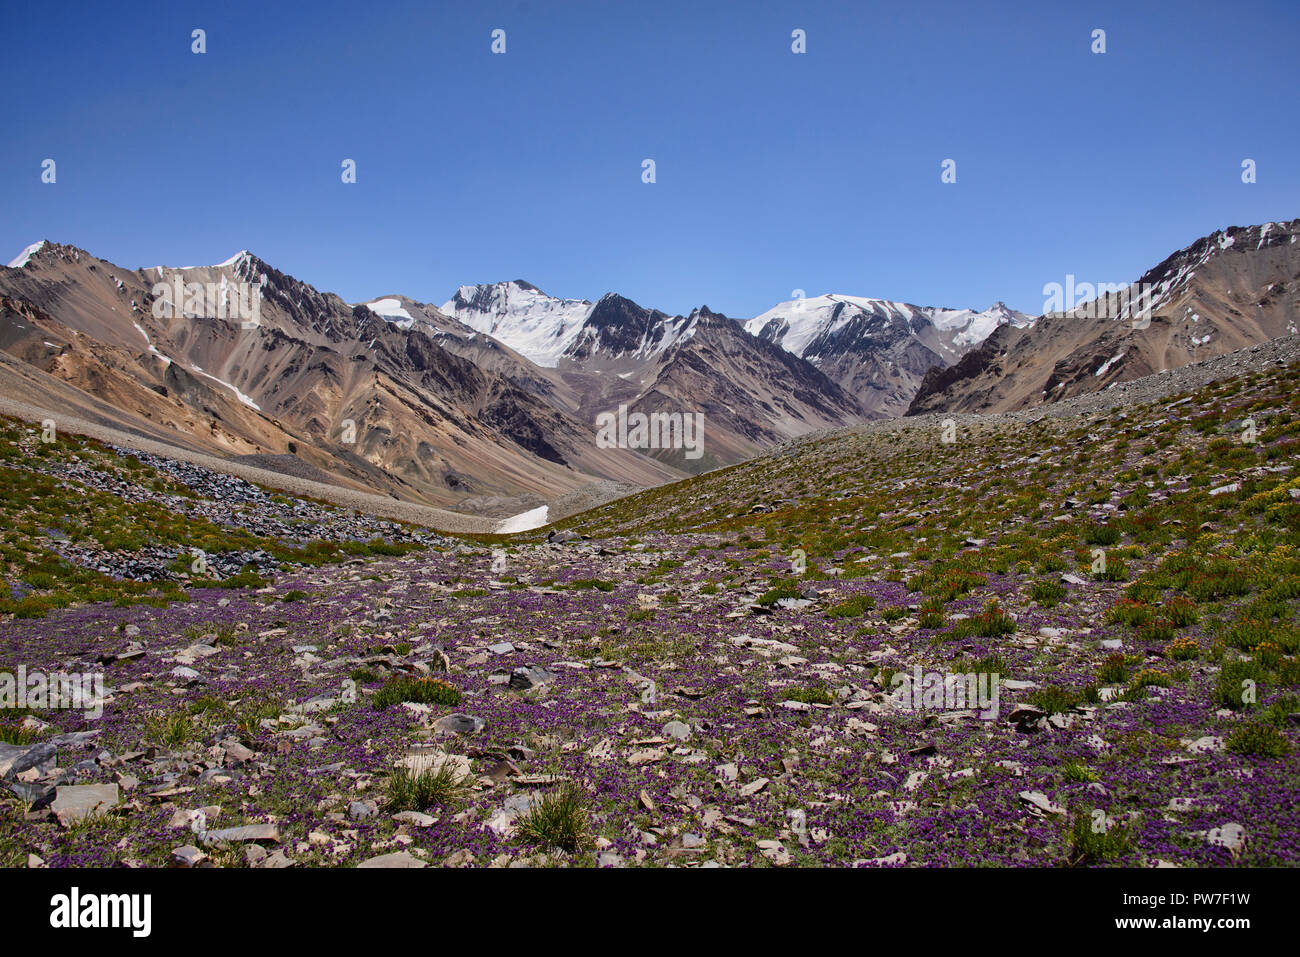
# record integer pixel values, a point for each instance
(187, 856)
(246, 832)
(77, 802)
(415, 818)
(1041, 802)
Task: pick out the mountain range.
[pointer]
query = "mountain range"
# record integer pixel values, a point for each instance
(488, 403)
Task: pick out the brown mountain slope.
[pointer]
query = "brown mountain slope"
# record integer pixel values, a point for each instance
(752, 393)
(1226, 291)
(426, 425)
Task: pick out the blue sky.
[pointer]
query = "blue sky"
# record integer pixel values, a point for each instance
(775, 171)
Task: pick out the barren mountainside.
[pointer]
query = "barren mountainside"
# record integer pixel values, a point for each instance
(1228, 290)
(427, 423)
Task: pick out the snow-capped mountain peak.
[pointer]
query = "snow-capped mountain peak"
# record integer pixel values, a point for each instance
(803, 326)
(797, 323)
(537, 326)
(969, 328)
(234, 259)
(19, 261)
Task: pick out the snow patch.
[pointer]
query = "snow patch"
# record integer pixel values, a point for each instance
(242, 398)
(140, 329)
(391, 310)
(524, 521)
(1105, 366)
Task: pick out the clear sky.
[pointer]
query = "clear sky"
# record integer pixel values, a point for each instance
(775, 171)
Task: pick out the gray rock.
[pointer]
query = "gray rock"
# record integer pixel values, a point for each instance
(255, 853)
(187, 855)
(520, 804)
(36, 795)
(219, 776)
(677, 730)
(415, 818)
(1041, 802)
(525, 678)
(237, 752)
(246, 832)
(363, 810)
(1011, 684)
(16, 758)
(460, 724)
(78, 802)
(1230, 836)
(1027, 718)
(893, 860)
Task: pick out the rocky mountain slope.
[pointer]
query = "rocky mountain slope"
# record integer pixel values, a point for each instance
(1225, 291)
(376, 404)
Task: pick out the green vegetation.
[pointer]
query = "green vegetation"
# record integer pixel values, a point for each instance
(1258, 739)
(814, 695)
(989, 622)
(1047, 593)
(778, 592)
(401, 688)
(408, 791)
(852, 607)
(1093, 841)
(558, 820)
